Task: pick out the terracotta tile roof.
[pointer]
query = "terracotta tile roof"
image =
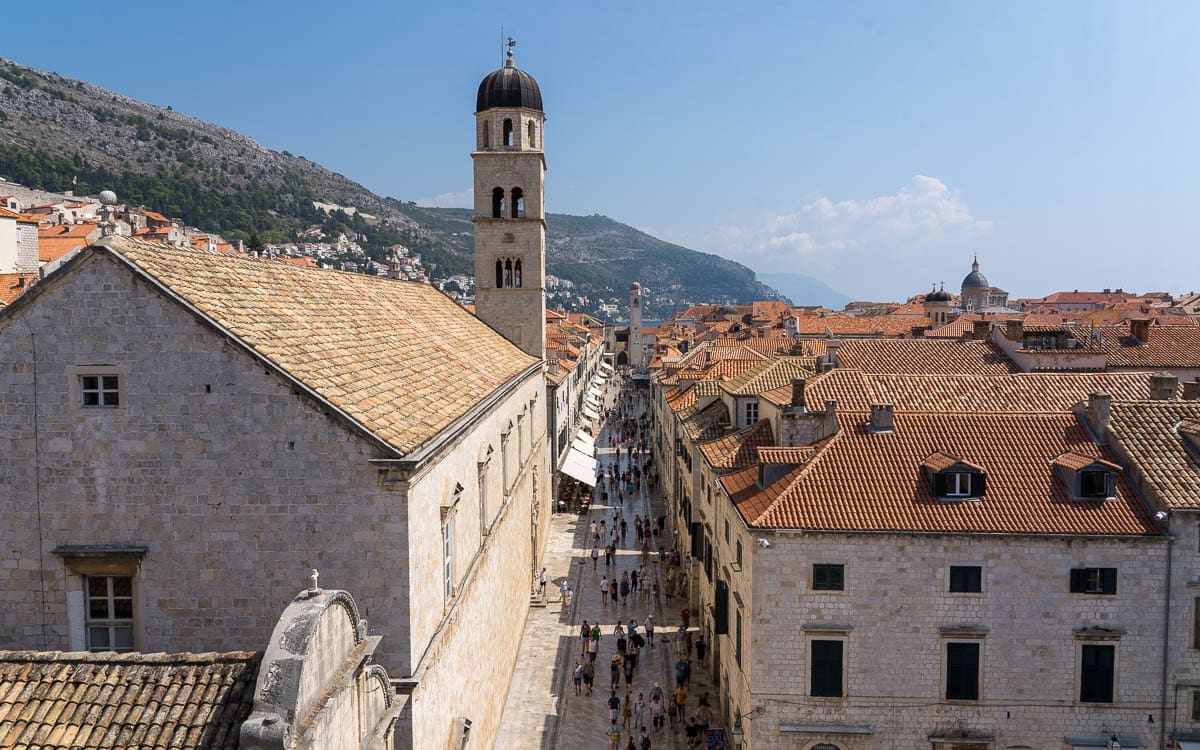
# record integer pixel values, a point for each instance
(844, 325)
(13, 285)
(777, 455)
(303, 260)
(924, 356)
(152, 216)
(1155, 435)
(400, 358)
(681, 398)
(51, 699)
(704, 424)
(707, 388)
(722, 369)
(938, 461)
(57, 240)
(855, 390)
(1076, 461)
(768, 376)
(956, 328)
(1168, 346)
(864, 482)
(738, 450)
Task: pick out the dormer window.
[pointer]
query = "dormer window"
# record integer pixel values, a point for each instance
(952, 478)
(1086, 477)
(958, 483)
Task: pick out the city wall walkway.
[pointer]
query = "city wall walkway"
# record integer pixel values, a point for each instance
(542, 710)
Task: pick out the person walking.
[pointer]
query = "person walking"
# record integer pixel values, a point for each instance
(589, 676)
(577, 676)
(649, 626)
(614, 733)
(701, 648)
(604, 591)
(614, 707)
(639, 711)
(542, 583)
(626, 712)
(595, 556)
(614, 670)
(585, 635)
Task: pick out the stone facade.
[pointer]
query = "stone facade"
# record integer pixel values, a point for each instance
(896, 617)
(227, 485)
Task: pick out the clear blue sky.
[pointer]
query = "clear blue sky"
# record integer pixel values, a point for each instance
(876, 146)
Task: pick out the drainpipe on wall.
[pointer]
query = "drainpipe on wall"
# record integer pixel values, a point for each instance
(1162, 724)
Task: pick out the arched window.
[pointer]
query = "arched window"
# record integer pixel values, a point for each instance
(517, 274)
(498, 203)
(532, 139)
(518, 203)
(499, 273)
(508, 133)
(487, 134)
(508, 274)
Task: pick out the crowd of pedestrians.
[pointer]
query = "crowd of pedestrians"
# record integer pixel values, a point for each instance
(635, 590)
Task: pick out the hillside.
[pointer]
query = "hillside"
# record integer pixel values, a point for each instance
(61, 134)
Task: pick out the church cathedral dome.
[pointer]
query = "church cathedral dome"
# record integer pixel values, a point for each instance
(508, 87)
(975, 280)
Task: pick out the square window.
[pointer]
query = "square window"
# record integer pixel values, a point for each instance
(1093, 484)
(1096, 674)
(99, 391)
(962, 671)
(1094, 581)
(958, 484)
(109, 624)
(826, 669)
(828, 577)
(966, 579)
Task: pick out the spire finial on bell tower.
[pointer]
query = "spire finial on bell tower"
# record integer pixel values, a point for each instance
(509, 43)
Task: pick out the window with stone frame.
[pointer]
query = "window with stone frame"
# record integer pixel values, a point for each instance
(109, 623)
(826, 668)
(1094, 483)
(448, 558)
(1094, 581)
(1097, 673)
(828, 577)
(98, 391)
(962, 671)
(966, 579)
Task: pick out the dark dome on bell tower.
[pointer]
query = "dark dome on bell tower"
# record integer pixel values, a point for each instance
(508, 87)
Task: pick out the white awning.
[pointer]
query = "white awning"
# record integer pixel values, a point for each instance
(590, 413)
(606, 368)
(581, 467)
(585, 444)
(595, 392)
(1188, 744)
(1101, 743)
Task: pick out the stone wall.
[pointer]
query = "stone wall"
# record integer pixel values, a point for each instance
(890, 614)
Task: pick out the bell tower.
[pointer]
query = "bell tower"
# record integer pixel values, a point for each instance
(637, 350)
(510, 207)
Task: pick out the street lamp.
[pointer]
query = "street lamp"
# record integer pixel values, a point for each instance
(737, 734)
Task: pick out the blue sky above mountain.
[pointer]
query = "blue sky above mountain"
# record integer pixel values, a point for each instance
(876, 146)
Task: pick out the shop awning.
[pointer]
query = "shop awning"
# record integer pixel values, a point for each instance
(585, 444)
(590, 413)
(1187, 744)
(594, 392)
(580, 467)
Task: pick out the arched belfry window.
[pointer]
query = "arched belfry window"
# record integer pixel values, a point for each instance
(508, 273)
(508, 133)
(499, 273)
(532, 139)
(498, 203)
(517, 274)
(518, 203)
(486, 138)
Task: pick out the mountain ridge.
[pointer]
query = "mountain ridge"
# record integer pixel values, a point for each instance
(57, 134)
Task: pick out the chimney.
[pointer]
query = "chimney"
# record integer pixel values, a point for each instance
(1163, 386)
(554, 367)
(980, 329)
(1139, 328)
(1191, 391)
(1099, 406)
(1014, 330)
(831, 352)
(881, 418)
(798, 393)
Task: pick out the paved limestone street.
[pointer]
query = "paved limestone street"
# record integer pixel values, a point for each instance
(542, 710)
